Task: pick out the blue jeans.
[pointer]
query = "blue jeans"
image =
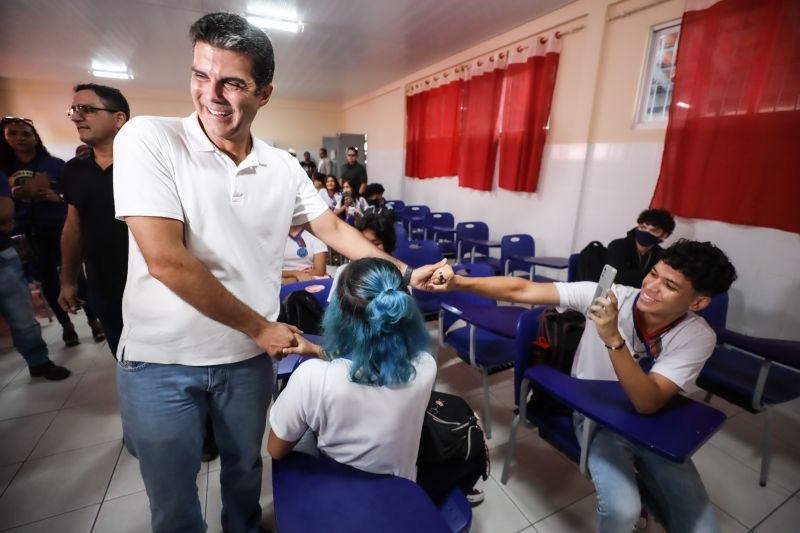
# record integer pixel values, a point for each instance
(164, 410)
(16, 307)
(673, 492)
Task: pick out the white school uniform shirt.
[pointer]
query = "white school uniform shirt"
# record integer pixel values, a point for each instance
(235, 218)
(685, 347)
(292, 261)
(358, 206)
(375, 429)
(331, 202)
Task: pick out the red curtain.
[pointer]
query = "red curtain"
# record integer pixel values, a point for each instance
(432, 131)
(528, 97)
(480, 108)
(732, 148)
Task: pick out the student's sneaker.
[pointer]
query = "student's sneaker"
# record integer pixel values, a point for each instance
(474, 496)
(49, 371)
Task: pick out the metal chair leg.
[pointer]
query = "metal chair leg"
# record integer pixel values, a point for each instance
(766, 447)
(487, 406)
(512, 437)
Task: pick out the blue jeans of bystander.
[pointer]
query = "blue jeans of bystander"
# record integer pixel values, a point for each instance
(16, 307)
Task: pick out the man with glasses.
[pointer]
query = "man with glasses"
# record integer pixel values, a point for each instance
(353, 171)
(209, 207)
(92, 234)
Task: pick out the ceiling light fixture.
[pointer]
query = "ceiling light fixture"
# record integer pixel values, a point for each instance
(106, 70)
(267, 23)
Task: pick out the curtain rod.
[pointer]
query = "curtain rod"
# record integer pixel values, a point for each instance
(461, 64)
(636, 10)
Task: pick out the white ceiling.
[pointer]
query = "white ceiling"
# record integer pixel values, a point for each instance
(348, 48)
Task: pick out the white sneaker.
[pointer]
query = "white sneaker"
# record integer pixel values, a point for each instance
(474, 496)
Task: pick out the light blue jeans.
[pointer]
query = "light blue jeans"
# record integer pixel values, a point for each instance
(673, 492)
(16, 307)
(164, 410)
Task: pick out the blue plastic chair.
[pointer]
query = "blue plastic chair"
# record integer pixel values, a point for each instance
(414, 217)
(440, 227)
(572, 269)
(319, 494)
(751, 372)
(479, 231)
(519, 245)
(398, 206)
(321, 295)
(417, 254)
(486, 351)
(401, 235)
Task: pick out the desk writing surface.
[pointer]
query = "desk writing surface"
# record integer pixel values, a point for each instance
(545, 261)
(501, 320)
(481, 242)
(675, 432)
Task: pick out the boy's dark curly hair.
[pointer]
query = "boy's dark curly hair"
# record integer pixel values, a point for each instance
(660, 218)
(704, 265)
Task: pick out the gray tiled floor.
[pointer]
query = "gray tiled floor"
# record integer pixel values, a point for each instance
(63, 468)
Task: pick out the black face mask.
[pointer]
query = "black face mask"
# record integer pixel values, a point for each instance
(374, 202)
(645, 238)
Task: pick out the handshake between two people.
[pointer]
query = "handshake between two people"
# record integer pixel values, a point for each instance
(279, 340)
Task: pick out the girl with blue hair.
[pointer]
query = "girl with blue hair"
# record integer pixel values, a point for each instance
(366, 410)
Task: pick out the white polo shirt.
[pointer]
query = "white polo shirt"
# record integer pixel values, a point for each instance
(684, 351)
(236, 219)
(292, 261)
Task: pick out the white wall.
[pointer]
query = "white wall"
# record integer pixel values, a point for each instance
(599, 170)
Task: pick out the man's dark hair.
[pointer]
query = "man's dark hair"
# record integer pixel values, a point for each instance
(353, 148)
(659, 218)
(232, 32)
(324, 151)
(112, 98)
(704, 265)
(373, 189)
(383, 226)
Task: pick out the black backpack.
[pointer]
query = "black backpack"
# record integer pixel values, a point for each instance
(590, 262)
(301, 309)
(559, 336)
(452, 448)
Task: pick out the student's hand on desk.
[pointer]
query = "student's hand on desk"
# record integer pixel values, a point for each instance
(274, 337)
(423, 277)
(604, 312)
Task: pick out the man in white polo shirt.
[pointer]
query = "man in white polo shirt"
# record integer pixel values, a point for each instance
(209, 207)
(653, 343)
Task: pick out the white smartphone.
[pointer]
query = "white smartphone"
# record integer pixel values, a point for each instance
(606, 279)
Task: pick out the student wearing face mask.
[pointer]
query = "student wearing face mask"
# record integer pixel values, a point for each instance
(635, 254)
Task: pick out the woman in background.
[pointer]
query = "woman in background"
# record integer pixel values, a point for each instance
(332, 192)
(35, 180)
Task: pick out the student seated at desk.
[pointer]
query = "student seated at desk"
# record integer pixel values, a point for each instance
(304, 257)
(366, 411)
(653, 343)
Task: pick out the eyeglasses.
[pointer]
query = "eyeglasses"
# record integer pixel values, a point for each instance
(84, 110)
(7, 120)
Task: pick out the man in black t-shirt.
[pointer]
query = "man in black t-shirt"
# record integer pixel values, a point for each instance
(92, 233)
(353, 171)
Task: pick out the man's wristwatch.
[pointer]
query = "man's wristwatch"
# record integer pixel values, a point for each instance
(407, 276)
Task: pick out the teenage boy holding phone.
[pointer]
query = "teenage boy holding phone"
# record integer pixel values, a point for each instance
(653, 343)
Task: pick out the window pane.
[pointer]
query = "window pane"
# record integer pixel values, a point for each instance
(657, 86)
